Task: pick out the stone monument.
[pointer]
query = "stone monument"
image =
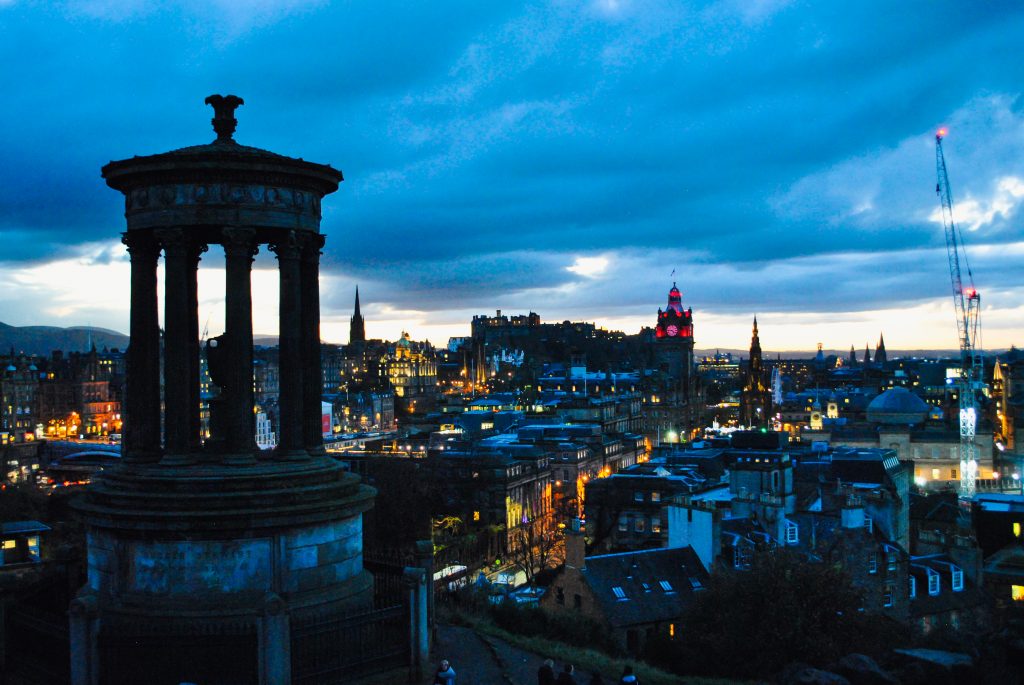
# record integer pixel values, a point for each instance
(205, 558)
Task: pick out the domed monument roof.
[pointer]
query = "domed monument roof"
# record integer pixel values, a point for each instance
(897, 406)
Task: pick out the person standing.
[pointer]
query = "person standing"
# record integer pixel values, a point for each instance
(546, 673)
(445, 674)
(566, 677)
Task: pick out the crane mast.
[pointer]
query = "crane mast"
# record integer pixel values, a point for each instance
(967, 303)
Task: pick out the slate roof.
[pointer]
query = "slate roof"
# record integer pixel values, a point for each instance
(655, 585)
(16, 527)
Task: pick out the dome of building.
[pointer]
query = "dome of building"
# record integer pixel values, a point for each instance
(897, 406)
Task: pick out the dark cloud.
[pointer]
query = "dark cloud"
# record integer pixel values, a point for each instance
(487, 146)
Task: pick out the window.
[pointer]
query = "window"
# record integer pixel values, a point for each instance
(666, 586)
(655, 496)
(887, 596)
(1016, 529)
(10, 544)
(1017, 593)
(671, 629)
(890, 560)
(933, 582)
(655, 524)
(623, 524)
(935, 474)
(913, 587)
(792, 533)
(869, 524)
(647, 588)
(873, 563)
(619, 592)
(695, 583)
(560, 595)
(958, 579)
(640, 524)
(952, 474)
(638, 496)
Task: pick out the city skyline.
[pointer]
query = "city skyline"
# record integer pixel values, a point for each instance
(564, 159)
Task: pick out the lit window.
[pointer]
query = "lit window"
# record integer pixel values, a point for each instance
(1016, 530)
(655, 524)
(619, 592)
(1017, 593)
(890, 558)
(640, 525)
(655, 496)
(913, 587)
(933, 582)
(671, 629)
(666, 586)
(10, 544)
(887, 597)
(792, 533)
(873, 563)
(958, 579)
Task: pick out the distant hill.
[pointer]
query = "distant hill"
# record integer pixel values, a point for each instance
(42, 340)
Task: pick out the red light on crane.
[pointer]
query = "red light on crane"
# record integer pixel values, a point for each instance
(941, 133)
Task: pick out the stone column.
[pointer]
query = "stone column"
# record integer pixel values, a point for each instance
(82, 634)
(290, 402)
(179, 401)
(419, 642)
(142, 402)
(240, 247)
(275, 641)
(311, 369)
(425, 560)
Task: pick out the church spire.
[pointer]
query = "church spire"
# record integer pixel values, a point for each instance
(880, 356)
(357, 327)
(853, 356)
(867, 354)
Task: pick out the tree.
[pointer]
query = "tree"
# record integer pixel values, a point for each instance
(784, 609)
(534, 546)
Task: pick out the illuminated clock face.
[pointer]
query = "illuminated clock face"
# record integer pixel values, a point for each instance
(672, 330)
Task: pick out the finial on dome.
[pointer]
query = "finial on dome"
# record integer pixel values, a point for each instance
(224, 121)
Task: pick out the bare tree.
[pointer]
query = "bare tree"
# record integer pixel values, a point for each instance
(535, 545)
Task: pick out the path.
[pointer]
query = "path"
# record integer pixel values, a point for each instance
(485, 660)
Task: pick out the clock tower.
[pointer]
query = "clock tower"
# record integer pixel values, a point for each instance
(674, 337)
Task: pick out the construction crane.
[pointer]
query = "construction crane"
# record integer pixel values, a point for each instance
(967, 302)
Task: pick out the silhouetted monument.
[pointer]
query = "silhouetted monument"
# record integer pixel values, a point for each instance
(212, 563)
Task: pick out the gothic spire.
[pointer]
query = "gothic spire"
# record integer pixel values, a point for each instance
(357, 327)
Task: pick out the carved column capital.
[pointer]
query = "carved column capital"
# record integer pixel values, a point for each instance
(140, 244)
(311, 245)
(287, 247)
(176, 242)
(239, 242)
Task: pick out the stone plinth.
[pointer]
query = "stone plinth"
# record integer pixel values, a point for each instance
(208, 558)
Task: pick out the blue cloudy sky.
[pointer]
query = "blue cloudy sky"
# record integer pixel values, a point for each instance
(562, 157)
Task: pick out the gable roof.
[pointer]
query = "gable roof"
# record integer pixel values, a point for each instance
(645, 587)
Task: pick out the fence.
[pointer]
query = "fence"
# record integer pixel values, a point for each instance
(338, 649)
(37, 645)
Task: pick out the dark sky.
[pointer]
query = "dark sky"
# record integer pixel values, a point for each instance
(560, 157)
